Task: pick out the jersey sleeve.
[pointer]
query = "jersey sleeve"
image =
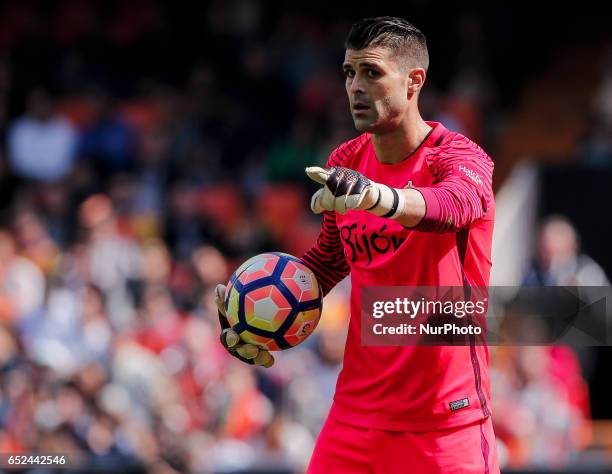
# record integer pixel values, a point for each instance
(326, 257)
(462, 190)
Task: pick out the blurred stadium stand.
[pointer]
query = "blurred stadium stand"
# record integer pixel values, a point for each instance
(185, 123)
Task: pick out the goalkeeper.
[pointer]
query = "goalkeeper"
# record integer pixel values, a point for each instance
(428, 190)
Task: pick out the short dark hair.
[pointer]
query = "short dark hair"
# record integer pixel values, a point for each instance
(392, 32)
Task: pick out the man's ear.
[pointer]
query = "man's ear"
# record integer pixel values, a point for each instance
(416, 79)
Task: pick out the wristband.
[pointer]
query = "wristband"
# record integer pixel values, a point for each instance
(395, 205)
(377, 201)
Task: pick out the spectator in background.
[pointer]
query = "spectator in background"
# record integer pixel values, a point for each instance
(107, 141)
(22, 283)
(150, 185)
(34, 241)
(538, 418)
(113, 259)
(210, 265)
(559, 261)
(185, 227)
(41, 145)
(542, 405)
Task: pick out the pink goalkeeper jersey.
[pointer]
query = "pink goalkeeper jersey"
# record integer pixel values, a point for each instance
(412, 388)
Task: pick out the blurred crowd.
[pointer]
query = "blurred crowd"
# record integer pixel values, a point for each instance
(110, 347)
(134, 178)
(541, 402)
(115, 230)
(124, 199)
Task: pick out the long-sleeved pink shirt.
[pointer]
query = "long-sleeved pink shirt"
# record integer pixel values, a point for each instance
(412, 387)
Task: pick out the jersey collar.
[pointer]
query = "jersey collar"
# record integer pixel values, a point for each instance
(435, 136)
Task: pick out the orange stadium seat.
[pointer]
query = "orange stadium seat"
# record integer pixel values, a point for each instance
(222, 204)
(280, 208)
(300, 237)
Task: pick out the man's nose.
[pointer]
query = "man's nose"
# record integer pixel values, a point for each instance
(356, 86)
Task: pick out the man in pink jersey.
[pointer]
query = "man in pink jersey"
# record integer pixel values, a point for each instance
(421, 409)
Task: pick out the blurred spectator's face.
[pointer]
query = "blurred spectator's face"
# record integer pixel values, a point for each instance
(93, 304)
(91, 379)
(184, 202)
(156, 262)
(533, 363)
(96, 211)
(557, 243)
(377, 88)
(210, 265)
(154, 146)
(70, 404)
(54, 197)
(29, 228)
(158, 303)
(100, 436)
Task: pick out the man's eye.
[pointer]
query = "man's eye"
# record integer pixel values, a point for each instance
(373, 73)
(349, 73)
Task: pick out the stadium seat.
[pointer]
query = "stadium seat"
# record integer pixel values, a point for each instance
(280, 208)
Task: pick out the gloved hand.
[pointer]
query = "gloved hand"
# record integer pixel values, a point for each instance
(345, 189)
(248, 353)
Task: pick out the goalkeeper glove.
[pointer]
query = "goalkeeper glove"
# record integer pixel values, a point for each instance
(345, 189)
(248, 353)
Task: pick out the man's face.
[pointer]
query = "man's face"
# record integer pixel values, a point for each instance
(377, 87)
(558, 243)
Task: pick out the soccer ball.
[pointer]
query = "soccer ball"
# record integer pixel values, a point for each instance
(273, 301)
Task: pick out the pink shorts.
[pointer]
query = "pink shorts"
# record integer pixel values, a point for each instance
(346, 449)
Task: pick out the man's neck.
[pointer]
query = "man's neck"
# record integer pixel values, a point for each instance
(393, 147)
